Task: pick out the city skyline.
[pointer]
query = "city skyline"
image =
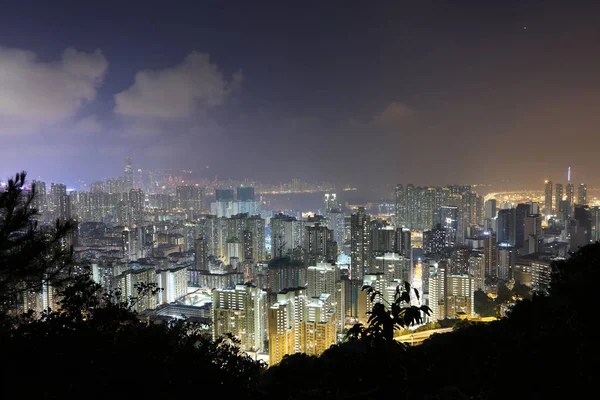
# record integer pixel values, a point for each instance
(405, 92)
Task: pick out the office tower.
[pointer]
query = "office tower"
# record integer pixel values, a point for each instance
(201, 254)
(336, 224)
(564, 211)
(128, 179)
(558, 196)
(400, 206)
(173, 283)
(189, 198)
(582, 194)
(450, 296)
(570, 197)
(287, 235)
(128, 282)
(521, 212)
(284, 320)
(534, 207)
(490, 253)
(245, 193)
(360, 243)
(434, 241)
(40, 201)
(330, 202)
(507, 226)
(319, 245)
(449, 222)
(506, 261)
(548, 198)
(580, 228)
(60, 201)
(243, 313)
(532, 234)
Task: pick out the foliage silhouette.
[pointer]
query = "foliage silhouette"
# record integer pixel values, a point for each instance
(29, 253)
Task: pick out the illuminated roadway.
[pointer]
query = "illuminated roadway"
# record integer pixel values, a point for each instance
(419, 337)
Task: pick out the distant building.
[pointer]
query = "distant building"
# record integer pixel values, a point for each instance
(582, 194)
(548, 210)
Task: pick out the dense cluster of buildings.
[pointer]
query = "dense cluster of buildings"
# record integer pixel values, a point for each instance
(284, 284)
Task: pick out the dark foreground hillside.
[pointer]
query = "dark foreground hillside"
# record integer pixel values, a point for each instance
(97, 348)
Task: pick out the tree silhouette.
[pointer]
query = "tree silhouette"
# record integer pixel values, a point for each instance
(386, 317)
(29, 253)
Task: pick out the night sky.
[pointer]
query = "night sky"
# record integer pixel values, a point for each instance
(366, 93)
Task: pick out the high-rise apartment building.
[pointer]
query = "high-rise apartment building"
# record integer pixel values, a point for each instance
(319, 245)
(40, 201)
(173, 283)
(60, 203)
(246, 193)
(400, 206)
(450, 296)
(330, 202)
(128, 283)
(284, 319)
(360, 246)
(287, 235)
(189, 198)
(243, 313)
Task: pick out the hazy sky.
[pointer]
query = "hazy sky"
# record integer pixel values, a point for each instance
(370, 93)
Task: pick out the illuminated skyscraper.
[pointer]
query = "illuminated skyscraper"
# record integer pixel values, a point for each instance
(450, 296)
(287, 235)
(449, 222)
(570, 197)
(189, 198)
(128, 174)
(507, 226)
(60, 203)
(40, 201)
(330, 202)
(336, 224)
(558, 191)
(360, 247)
(319, 245)
(242, 312)
(582, 194)
(284, 320)
(548, 198)
(400, 206)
